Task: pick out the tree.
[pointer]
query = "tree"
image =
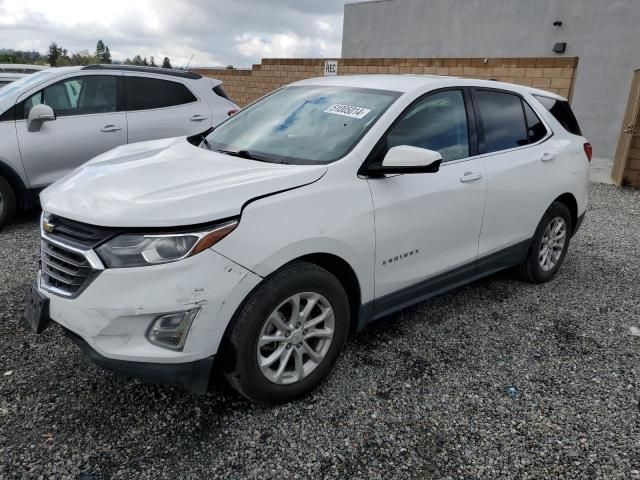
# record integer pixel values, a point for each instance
(166, 63)
(83, 57)
(19, 56)
(103, 54)
(100, 50)
(152, 61)
(53, 54)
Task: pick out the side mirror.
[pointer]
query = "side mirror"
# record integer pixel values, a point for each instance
(39, 114)
(407, 159)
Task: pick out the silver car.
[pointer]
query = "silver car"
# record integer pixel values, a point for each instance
(55, 120)
(10, 72)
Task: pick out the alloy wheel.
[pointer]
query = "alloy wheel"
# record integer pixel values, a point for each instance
(552, 244)
(295, 338)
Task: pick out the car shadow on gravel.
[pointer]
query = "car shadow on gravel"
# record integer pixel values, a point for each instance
(24, 218)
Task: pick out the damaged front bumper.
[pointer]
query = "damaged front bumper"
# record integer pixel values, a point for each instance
(111, 318)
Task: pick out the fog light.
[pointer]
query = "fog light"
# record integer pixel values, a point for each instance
(171, 330)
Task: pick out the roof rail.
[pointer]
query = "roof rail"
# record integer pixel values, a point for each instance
(138, 68)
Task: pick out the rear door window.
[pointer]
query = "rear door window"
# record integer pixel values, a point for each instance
(503, 121)
(562, 112)
(145, 93)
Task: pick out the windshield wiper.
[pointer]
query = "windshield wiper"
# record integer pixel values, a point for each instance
(249, 156)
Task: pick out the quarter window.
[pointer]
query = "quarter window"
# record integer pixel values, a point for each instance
(535, 128)
(562, 112)
(145, 93)
(437, 122)
(503, 121)
(77, 96)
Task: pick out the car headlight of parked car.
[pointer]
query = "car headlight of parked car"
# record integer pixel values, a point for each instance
(139, 250)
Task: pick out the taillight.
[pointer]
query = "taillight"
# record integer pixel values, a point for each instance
(232, 112)
(588, 149)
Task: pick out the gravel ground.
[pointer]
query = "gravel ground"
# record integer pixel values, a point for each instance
(499, 379)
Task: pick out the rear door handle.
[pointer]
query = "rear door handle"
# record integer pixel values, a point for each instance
(470, 177)
(110, 128)
(198, 118)
(547, 157)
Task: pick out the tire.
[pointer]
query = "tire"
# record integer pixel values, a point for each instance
(274, 299)
(538, 267)
(7, 202)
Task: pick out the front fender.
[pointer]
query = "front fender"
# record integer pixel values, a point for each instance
(332, 216)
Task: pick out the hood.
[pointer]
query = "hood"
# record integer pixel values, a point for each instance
(167, 183)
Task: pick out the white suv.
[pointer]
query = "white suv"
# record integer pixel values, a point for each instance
(326, 205)
(55, 120)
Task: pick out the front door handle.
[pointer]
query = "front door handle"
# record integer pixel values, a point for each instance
(110, 128)
(198, 118)
(547, 157)
(470, 177)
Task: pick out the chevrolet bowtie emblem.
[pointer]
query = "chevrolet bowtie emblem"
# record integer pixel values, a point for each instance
(47, 226)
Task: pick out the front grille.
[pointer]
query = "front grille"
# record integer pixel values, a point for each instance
(63, 271)
(78, 235)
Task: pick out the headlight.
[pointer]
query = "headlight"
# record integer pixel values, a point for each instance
(139, 250)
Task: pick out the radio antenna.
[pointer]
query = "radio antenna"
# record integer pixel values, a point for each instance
(189, 62)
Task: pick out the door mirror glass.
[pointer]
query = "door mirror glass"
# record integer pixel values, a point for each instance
(39, 114)
(408, 159)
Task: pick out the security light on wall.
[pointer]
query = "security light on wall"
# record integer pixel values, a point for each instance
(560, 47)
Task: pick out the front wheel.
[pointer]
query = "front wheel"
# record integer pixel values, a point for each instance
(549, 245)
(287, 336)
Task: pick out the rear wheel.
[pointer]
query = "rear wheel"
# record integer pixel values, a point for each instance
(288, 334)
(549, 245)
(7, 202)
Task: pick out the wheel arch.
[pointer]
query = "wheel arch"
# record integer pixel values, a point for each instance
(23, 196)
(345, 274)
(335, 265)
(571, 203)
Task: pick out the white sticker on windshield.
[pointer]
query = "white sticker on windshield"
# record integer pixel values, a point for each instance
(348, 111)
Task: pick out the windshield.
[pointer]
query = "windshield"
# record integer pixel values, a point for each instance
(302, 125)
(25, 82)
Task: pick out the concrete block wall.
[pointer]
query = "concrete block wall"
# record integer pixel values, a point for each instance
(556, 75)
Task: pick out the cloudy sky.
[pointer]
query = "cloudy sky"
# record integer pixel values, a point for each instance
(217, 32)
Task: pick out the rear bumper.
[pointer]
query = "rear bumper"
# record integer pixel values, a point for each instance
(192, 376)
